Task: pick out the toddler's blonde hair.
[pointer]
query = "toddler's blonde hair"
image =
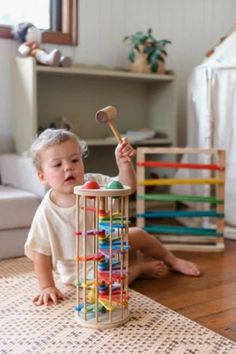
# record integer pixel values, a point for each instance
(51, 137)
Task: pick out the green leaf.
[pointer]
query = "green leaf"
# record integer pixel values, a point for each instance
(149, 50)
(126, 38)
(153, 56)
(163, 42)
(163, 51)
(154, 67)
(131, 56)
(161, 59)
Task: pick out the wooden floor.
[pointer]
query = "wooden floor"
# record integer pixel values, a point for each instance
(210, 299)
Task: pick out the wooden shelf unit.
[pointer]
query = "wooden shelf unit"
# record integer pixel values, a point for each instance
(44, 94)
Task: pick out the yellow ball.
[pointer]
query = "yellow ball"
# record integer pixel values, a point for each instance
(91, 295)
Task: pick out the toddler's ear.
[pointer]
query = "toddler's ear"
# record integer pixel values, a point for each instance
(41, 177)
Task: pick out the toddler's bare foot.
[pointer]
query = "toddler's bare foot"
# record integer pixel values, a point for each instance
(148, 269)
(181, 265)
(153, 269)
(185, 267)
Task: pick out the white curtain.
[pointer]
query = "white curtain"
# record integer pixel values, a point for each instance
(212, 123)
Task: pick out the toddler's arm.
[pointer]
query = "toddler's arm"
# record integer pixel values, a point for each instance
(124, 154)
(43, 270)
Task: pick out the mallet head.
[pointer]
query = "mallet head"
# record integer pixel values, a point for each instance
(106, 114)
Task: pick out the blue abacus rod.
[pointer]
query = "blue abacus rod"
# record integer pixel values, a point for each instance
(180, 214)
(182, 230)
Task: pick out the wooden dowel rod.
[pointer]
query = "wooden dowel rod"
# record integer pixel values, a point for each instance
(170, 181)
(180, 213)
(180, 165)
(181, 198)
(110, 258)
(182, 230)
(77, 247)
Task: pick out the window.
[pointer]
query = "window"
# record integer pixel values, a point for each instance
(57, 18)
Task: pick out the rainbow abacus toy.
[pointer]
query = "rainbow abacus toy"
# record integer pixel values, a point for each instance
(102, 254)
(176, 224)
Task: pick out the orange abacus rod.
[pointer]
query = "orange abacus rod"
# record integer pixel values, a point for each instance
(101, 211)
(90, 258)
(91, 233)
(115, 298)
(115, 277)
(87, 208)
(197, 166)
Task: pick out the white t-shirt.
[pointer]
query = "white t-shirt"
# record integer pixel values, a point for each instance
(53, 233)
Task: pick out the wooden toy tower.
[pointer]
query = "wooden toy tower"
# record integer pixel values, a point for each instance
(193, 222)
(102, 255)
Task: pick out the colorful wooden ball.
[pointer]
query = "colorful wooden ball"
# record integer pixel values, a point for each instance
(115, 185)
(91, 185)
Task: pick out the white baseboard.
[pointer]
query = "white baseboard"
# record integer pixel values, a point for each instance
(230, 232)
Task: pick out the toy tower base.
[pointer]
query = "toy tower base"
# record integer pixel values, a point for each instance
(104, 321)
(102, 255)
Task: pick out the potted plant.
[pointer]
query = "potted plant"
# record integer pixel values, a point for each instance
(147, 54)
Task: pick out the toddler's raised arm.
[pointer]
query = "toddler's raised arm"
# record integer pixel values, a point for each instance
(124, 154)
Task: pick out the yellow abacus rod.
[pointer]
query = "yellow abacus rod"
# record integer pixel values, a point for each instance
(168, 181)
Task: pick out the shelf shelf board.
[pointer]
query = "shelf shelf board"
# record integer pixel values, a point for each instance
(104, 72)
(148, 142)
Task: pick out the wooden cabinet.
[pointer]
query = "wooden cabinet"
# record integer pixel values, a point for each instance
(44, 94)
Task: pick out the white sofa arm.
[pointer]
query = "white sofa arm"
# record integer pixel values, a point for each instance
(19, 172)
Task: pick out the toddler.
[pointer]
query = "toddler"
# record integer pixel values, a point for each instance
(58, 157)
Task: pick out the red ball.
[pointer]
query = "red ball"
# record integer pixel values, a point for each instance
(91, 185)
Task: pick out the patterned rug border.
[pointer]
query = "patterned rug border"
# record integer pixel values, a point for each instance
(152, 328)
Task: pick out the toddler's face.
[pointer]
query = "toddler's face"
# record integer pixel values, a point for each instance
(62, 167)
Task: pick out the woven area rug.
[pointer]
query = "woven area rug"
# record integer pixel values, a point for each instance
(152, 328)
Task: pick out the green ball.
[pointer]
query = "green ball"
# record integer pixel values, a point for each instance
(115, 185)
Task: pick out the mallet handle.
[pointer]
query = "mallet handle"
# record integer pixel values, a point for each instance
(115, 131)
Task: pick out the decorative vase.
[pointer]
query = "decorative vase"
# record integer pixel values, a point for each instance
(140, 65)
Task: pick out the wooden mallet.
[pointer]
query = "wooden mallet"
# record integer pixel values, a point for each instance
(106, 115)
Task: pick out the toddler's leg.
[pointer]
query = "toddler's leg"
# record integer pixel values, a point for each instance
(150, 246)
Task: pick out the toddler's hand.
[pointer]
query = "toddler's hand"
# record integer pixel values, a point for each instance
(47, 295)
(124, 151)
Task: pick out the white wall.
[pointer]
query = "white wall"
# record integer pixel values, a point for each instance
(6, 54)
(193, 26)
